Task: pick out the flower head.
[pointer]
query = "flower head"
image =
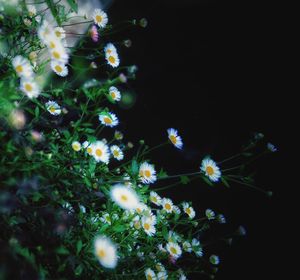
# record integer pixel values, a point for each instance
(155, 198)
(100, 152)
(53, 108)
(210, 169)
(189, 210)
(76, 146)
(60, 33)
(150, 274)
(125, 197)
(22, 67)
(111, 55)
(167, 205)
(59, 68)
(116, 152)
(108, 119)
(30, 88)
(174, 250)
(210, 214)
(114, 94)
(100, 18)
(109, 48)
(175, 138)
(148, 225)
(106, 252)
(147, 173)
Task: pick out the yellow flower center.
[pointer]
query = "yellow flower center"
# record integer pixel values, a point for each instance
(173, 139)
(101, 253)
(173, 250)
(149, 277)
(113, 95)
(146, 226)
(107, 120)
(58, 68)
(52, 109)
(76, 147)
(19, 68)
(116, 153)
(147, 173)
(28, 87)
(56, 55)
(98, 18)
(209, 170)
(89, 150)
(168, 206)
(153, 198)
(124, 197)
(99, 153)
(52, 45)
(136, 225)
(58, 33)
(188, 211)
(111, 59)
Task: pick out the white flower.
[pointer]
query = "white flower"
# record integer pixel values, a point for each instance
(44, 31)
(175, 138)
(118, 135)
(112, 58)
(109, 48)
(31, 10)
(187, 246)
(106, 252)
(100, 18)
(59, 68)
(271, 148)
(30, 88)
(59, 54)
(189, 210)
(155, 198)
(162, 275)
(106, 218)
(53, 108)
(114, 93)
(150, 274)
(174, 250)
(76, 146)
(160, 268)
(60, 33)
(147, 173)
(210, 169)
(116, 152)
(221, 219)
(22, 67)
(176, 209)
(148, 225)
(197, 247)
(141, 207)
(182, 276)
(90, 149)
(210, 214)
(167, 205)
(214, 259)
(100, 152)
(108, 119)
(85, 144)
(125, 197)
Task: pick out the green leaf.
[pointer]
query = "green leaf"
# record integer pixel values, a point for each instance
(62, 251)
(119, 228)
(207, 181)
(37, 111)
(184, 180)
(79, 270)
(225, 182)
(53, 10)
(162, 174)
(134, 167)
(78, 246)
(74, 5)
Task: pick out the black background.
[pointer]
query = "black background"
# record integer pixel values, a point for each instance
(210, 71)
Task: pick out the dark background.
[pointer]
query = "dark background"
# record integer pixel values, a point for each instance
(211, 71)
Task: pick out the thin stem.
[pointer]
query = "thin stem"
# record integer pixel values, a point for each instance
(248, 185)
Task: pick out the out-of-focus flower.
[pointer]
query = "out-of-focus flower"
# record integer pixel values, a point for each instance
(106, 252)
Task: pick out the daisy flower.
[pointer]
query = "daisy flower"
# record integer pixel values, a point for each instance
(59, 68)
(116, 152)
(108, 119)
(106, 252)
(118, 135)
(85, 144)
(31, 10)
(100, 18)
(100, 152)
(114, 93)
(210, 214)
(167, 205)
(53, 108)
(22, 67)
(189, 210)
(59, 54)
(30, 88)
(162, 275)
(214, 259)
(106, 219)
(187, 246)
(221, 219)
(197, 247)
(112, 58)
(125, 197)
(159, 267)
(271, 148)
(76, 146)
(174, 250)
(147, 173)
(44, 31)
(148, 226)
(155, 198)
(52, 42)
(176, 209)
(150, 274)
(109, 49)
(210, 169)
(175, 138)
(60, 33)
(141, 207)
(90, 149)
